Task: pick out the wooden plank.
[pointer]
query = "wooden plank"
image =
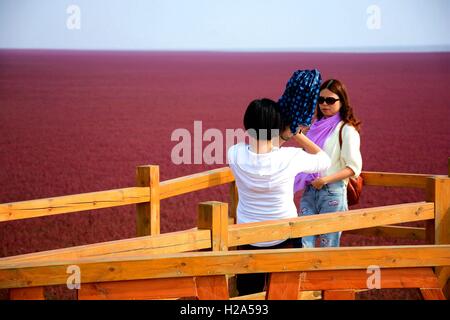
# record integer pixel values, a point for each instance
(339, 294)
(432, 294)
(390, 179)
(232, 219)
(392, 232)
(223, 263)
(213, 216)
(240, 234)
(148, 213)
(112, 198)
(169, 188)
(302, 295)
(154, 201)
(195, 182)
(139, 289)
(444, 273)
(310, 295)
(446, 289)
(234, 200)
(357, 279)
(143, 219)
(72, 203)
(212, 287)
(33, 293)
(438, 190)
(173, 242)
(252, 296)
(224, 175)
(283, 286)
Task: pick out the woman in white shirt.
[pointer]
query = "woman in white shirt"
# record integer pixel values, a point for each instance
(265, 174)
(326, 191)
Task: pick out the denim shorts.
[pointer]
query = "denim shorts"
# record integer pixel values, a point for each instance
(331, 198)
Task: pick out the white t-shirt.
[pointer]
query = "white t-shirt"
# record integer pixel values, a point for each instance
(265, 181)
(349, 156)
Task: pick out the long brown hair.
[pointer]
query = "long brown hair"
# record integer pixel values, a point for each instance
(346, 110)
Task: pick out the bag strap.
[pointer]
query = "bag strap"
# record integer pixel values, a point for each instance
(340, 135)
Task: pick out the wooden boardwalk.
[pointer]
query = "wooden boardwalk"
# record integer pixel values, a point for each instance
(200, 263)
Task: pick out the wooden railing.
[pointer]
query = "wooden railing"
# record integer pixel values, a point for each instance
(145, 257)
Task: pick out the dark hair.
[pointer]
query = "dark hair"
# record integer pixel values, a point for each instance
(261, 117)
(346, 110)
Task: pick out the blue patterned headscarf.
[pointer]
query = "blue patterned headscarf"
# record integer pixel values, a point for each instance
(299, 100)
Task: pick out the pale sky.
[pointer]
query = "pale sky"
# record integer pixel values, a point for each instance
(227, 25)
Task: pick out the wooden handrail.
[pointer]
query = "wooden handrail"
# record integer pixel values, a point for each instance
(216, 233)
(391, 179)
(195, 182)
(72, 203)
(169, 188)
(131, 258)
(173, 242)
(32, 274)
(112, 198)
(240, 234)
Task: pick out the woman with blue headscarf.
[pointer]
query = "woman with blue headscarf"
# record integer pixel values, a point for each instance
(336, 131)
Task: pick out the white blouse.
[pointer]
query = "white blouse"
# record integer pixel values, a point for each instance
(265, 181)
(349, 156)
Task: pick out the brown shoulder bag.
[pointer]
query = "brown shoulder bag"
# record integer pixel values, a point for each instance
(354, 186)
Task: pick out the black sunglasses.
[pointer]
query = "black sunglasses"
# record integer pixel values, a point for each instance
(328, 100)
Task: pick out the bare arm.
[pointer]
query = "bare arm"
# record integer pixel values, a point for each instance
(338, 176)
(305, 143)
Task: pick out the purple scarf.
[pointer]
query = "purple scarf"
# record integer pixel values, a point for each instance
(318, 133)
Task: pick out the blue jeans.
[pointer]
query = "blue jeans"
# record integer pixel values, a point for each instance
(331, 198)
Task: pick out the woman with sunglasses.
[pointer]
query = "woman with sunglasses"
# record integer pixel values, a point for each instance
(326, 191)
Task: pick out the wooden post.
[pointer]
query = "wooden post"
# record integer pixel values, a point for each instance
(212, 287)
(213, 215)
(232, 219)
(163, 288)
(234, 199)
(283, 286)
(432, 294)
(147, 221)
(438, 191)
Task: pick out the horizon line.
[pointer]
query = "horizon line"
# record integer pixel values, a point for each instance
(382, 49)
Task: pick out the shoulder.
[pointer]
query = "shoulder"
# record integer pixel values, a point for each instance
(234, 149)
(349, 130)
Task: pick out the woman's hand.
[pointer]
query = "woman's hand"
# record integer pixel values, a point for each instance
(318, 183)
(287, 134)
(304, 129)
